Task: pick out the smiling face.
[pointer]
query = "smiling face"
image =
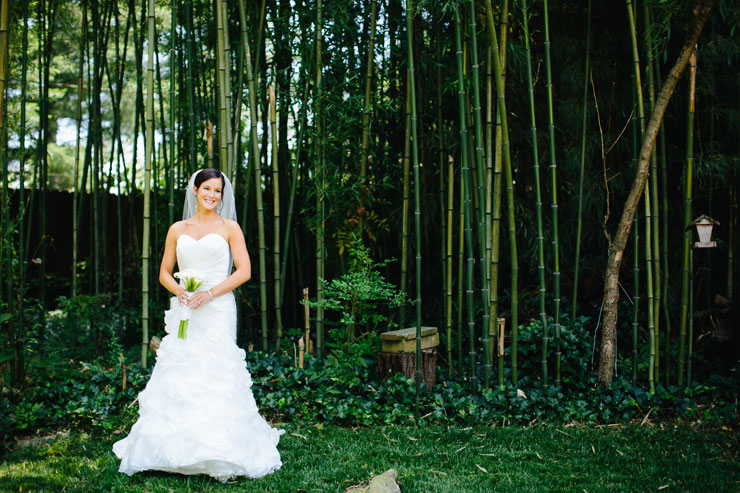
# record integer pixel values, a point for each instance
(209, 193)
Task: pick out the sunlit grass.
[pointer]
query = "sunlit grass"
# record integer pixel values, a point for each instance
(428, 459)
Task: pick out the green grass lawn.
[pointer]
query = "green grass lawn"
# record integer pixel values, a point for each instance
(429, 459)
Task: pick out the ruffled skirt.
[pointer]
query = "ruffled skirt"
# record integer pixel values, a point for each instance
(197, 414)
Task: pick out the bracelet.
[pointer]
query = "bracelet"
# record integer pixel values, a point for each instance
(210, 294)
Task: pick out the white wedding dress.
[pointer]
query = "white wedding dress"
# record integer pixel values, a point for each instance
(197, 414)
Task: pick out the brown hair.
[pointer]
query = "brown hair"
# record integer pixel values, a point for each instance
(208, 173)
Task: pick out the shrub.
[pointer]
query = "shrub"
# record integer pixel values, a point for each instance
(362, 298)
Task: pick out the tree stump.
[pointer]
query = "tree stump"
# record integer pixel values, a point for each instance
(390, 363)
(399, 354)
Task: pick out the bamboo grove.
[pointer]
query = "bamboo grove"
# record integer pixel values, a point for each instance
(412, 128)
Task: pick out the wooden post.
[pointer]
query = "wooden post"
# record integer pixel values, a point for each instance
(304, 343)
(307, 332)
(501, 328)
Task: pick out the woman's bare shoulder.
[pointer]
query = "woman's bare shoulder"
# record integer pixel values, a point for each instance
(177, 228)
(233, 230)
(233, 226)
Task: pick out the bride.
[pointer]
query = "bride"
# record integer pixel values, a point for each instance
(197, 414)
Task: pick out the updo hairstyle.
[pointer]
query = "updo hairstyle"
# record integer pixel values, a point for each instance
(208, 173)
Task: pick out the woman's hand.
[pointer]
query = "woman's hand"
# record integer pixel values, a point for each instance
(198, 299)
(182, 296)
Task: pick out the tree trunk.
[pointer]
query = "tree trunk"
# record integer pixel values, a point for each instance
(617, 246)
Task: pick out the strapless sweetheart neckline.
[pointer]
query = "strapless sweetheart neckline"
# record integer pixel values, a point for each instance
(204, 236)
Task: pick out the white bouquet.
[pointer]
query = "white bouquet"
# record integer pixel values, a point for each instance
(191, 281)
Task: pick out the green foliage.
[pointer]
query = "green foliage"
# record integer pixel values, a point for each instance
(345, 389)
(362, 297)
(575, 347)
(76, 371)
(89, 395)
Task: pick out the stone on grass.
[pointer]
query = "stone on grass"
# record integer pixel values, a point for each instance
(382, 483)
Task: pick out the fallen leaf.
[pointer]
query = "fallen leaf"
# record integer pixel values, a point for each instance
(437, 472)
(299, 436)
(481, 468)
(413, 439)
(520, 393)
(564, 433)
(461, 448)
(663, 487)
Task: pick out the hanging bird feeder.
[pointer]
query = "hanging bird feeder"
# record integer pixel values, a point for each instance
(704, 225)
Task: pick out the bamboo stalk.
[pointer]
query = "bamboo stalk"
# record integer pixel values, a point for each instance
(96, 131)
(494, 179)
(173, 111)
(654, 209)
(450, 208)
(648, 211)
(18, 371)
(480, 166)
(664, 238)
(3, 75)
(688, 197)
(510, 192)
(553, 194)
(115, 100)
(75, 219)
(584, 120)
(497, 177)
(294, 186)
(147, 179)
(731, 239)
(255, 155)
(41, 161)
(652, 373)
(690, 358)
(493, 325)
(405, 207)
(417, 194)
(166, 132)
(223, 107)
(446, 225)
(321, 183)
(193, 165)
(6, 237)
(368, 92)
(635, 248)
(466, 183)
(227, 78)
(538, 196)
(460, 270)
(276, 218)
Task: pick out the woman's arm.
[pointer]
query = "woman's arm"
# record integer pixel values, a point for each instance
(169, 257)
(242, 264)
